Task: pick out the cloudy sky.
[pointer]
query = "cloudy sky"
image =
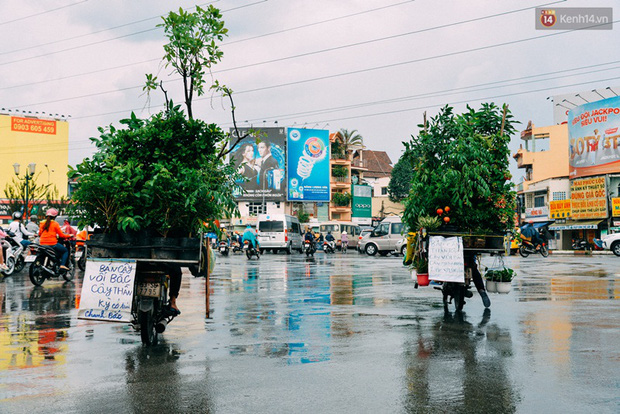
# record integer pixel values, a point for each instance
(370, 65)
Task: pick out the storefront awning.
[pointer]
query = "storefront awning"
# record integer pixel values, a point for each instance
(540, 224)
(576, 225)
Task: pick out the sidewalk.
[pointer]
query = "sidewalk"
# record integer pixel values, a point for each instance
(579, 252)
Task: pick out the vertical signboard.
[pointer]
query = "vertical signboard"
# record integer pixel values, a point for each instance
(260, 159)
(588, 198)
(362, 204)
(308, 165)
(594, 138)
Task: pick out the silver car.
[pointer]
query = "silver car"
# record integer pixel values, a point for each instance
(384, 238)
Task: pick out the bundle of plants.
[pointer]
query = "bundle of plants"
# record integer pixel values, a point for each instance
(461, 161)
(161, 177)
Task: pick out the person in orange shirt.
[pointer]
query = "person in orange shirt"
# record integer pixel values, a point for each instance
(49, 232)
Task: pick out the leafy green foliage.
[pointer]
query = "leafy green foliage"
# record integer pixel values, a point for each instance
(303, 217)
(500, 275)
(461, 161)
(400, 181)
(339, 171)
(160, 174)
(191, 49)
(15, 192)
(341, 199)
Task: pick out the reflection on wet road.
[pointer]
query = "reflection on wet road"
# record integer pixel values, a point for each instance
(330, 334)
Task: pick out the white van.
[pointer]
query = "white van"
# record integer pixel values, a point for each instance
(337, 227)
(384, 237)
(279, 232)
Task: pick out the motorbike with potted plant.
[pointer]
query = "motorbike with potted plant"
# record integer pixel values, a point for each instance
(461, 202)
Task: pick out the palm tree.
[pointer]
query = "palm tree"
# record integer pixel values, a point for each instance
(350, 139)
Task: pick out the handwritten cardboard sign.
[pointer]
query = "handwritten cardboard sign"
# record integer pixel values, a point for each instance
(445, 259)
(107, 290)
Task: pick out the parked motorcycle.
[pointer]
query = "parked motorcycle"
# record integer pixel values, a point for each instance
(46, 264)
(250, 250)
(151, 311)
(223, 248)
(84, 253)
(329, 246)
(309, 248)
(527, 248)
(581, 244)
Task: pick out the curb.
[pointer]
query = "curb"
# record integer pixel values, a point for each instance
(580, 252)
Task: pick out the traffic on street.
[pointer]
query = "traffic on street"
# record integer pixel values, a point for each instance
(329, 333)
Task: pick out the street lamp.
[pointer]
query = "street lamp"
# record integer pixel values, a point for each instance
(31, 168)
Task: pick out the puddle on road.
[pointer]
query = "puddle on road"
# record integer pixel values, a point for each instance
(566, 288)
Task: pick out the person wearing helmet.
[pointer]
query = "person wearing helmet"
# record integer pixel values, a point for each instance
(224, 235)
(49, 233)
(344, 240)
(248, 235)
(20, 231)
(528, 231)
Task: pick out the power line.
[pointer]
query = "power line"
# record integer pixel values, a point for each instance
(34, 146)
(338, 74)
(107, 40)
(461, 101)
(291, 29)
(467, 89)
(40, 13)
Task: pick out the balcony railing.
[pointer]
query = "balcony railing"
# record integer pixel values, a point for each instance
(345, 180)
(337, 156)
(358, 163)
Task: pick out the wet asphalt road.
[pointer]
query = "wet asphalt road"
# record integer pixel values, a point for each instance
(335, 334)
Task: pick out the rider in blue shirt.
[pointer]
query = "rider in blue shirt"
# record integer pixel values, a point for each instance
(248, 235)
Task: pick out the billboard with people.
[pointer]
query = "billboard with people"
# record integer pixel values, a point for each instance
(594, 138)
(308, 165)
(261, 160)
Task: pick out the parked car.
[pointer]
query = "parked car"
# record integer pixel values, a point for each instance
(365, 233)
(401, 246)
(612, 242)
(384, 237)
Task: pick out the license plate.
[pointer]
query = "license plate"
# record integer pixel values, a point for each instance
(149, 289)
(246, 247)
(30, 258)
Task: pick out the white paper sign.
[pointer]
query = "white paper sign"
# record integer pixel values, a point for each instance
(445, 259)
(107, 290)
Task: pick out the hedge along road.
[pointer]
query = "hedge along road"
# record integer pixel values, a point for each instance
(330, 334)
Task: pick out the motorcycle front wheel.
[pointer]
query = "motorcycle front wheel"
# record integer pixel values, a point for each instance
(544, 251)
(20, 264)
(523, 251)
(69, 274)
(248, 254)
(36, 273)
(10, 263)
(148, 334)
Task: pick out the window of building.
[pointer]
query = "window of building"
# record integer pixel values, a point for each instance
(384, 191)
(529, 200)
(254, 209)
(539, 201)
(559, 195)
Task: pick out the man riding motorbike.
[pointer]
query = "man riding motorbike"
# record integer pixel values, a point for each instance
(529, 232)
(248, 235)
(309, 237)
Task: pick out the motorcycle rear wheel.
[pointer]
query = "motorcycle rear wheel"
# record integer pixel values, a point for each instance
(36, 274)
(248, 254)
(523, 251)
(148, 333)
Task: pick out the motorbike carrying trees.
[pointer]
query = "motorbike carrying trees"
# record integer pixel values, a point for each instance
(460, 176)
